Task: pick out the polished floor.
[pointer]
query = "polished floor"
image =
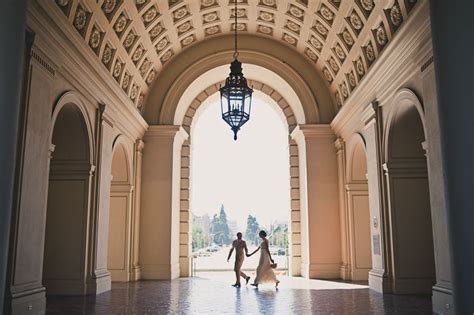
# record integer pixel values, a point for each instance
(213, 295)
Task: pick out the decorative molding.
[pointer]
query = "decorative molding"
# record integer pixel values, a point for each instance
(43, 63)
(426, 64)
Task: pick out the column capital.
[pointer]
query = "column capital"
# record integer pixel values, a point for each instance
(162, 131)
(139, 145)
(339, 144)
(369, 114)
(312, 131)
(106, 114)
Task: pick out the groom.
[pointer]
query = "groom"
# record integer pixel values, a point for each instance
(240, 252)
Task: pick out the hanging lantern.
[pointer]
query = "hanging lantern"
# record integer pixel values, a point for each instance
(236, 95)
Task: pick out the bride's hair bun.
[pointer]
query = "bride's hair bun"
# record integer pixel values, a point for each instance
(263, 233)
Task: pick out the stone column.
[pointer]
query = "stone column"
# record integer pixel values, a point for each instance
(185, 219)
(378, 276)
(320, 201)
(99, 279)
(453, 27)
(345, 236)
(160, 211)
(442, 290)
(137, 174)
(12, 37)
(295, 228)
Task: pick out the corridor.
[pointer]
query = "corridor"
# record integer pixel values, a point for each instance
(215, 296)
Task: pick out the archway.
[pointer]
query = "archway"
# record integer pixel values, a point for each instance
(360, 253)
(408, 199)
(70, 179)
(119, 255)
(285, 112)
(244, 180)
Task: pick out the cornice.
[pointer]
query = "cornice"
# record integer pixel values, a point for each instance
(313, 131)
(162, 131)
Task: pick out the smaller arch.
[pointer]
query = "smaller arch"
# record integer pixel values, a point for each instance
(70, 98)
(357, 158)
(121, 163)
(404, 102)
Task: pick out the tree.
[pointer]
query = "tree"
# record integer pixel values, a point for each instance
(279, 237)
(199, 238)
(251, 233)
(219, 228)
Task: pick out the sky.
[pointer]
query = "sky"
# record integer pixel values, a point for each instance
(250, 175)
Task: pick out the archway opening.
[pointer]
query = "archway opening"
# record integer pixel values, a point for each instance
(120, 217)
(360, 253)
(409, 203)
(245, 183)
(65, 251)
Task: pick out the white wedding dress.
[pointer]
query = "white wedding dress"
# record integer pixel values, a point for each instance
(265, 272)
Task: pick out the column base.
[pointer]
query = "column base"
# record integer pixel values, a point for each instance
(100, 284)
(442, 300)
(160, 271)
(185, 267)
(379, 282)
(136, 273)
(295, 266)
(360, 274)
(27, 302)
(345, 272)
(324, 271)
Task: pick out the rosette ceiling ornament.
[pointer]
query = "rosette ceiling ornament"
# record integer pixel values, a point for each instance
(236, 95)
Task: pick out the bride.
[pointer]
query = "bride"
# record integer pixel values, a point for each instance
(265, 272)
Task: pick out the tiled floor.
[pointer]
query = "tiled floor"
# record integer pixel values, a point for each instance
(215, 296)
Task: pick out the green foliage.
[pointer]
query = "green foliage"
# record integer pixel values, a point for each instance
(219, 229)
(279, 237)
(251, 233)
(200, 238)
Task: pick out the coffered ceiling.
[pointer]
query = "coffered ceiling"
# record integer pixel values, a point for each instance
(135, 39)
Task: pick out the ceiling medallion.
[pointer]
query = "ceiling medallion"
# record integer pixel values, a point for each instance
(129, 40)
(207, 3)
(264, 29)
(212, 30)
(109, 6)
(210, 17)
(117, 69)
(166, 56)
(321, 29)
(162, 44)
(292, 26)
(146, 65)
(296, 12)
(120, 24)
(140, 2)
(369, 50)
(184, 27)
(326, 13)
(327, 74)
(94, 40)
(338, 99)
(107, 55)
(180, 13)
(344, 90)
(150, 77)
(395, 15)
(355, 21)
(126, 80)
(134, 92)
(240, 27)
(289, 39)
(368, 5)
(347, 37)
(141, 98)
(138, 53)
(240, 13)
(381, 36)
(311, 54)
(156, 30)
(236, 95)
(360, 67)
(150, 15)
(340, 52)
(80, 19)
(266, 16)
(316, 43)
(187, 40)
(333, 64)
(352, 79)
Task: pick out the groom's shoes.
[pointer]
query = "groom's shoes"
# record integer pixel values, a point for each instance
(237, 285)
(247, 280)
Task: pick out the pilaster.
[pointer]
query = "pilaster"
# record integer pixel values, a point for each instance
(320, 201)
(160, 211)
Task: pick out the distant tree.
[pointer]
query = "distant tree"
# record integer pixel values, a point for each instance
(279, 237)
(219, 228)
(251, 233)
(199, 238)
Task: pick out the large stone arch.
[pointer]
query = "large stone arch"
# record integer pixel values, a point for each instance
(295, 69)
(408, 201)
(295, 218)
